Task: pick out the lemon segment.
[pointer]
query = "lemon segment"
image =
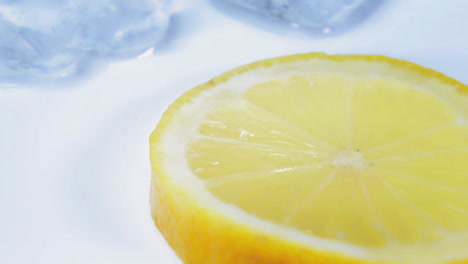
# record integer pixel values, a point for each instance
(343, 195)
(275, 201)
(385, 110)
(244, 121)
(306, 101)
(447, 168)
(446, 137)
(442, 207)
(207, 157)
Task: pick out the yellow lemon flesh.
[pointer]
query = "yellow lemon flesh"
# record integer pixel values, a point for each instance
(315, 159)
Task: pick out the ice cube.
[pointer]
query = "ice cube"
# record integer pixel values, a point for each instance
(314, 14)
(50, 39)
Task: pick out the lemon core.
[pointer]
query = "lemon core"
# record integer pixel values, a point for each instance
(349, 158)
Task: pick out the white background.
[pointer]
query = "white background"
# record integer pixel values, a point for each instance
(74, 166)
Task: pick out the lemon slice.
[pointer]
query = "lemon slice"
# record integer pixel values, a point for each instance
(315, 159)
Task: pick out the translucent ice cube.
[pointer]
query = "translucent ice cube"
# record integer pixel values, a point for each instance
(315, 14)
(51, 39)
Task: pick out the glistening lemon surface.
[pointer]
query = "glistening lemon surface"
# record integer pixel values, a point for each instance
(315, 158)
